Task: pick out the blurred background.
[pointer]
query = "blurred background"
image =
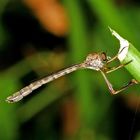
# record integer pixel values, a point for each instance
(39, 37)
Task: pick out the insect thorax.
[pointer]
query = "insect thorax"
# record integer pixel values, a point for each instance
(94, 61)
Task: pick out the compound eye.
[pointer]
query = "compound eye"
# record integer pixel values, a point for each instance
(103, 56)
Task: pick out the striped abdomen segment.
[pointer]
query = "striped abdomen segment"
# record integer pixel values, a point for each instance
(34, 85)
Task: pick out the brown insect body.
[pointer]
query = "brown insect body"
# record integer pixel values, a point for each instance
(94, 61)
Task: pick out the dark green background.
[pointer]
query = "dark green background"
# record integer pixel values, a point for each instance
(41, 116)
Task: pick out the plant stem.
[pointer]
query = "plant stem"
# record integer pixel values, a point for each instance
(128, 53)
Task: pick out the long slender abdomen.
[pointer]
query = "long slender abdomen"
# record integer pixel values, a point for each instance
(28, 89)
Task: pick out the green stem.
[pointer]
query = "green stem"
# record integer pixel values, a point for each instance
(128, 53)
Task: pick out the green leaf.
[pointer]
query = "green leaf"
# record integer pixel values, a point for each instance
(129, 53)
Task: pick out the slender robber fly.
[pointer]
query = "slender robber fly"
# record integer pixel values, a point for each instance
(94, 61)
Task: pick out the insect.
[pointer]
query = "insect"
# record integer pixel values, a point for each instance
(95, 61)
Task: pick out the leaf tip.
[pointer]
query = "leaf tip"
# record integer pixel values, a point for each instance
(124, 44)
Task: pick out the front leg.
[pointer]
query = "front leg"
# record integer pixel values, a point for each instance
(109, 70)
(115, 57)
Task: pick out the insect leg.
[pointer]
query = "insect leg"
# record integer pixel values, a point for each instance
(112, 59)
(109, 70)
(115, 57)
(112, 91)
